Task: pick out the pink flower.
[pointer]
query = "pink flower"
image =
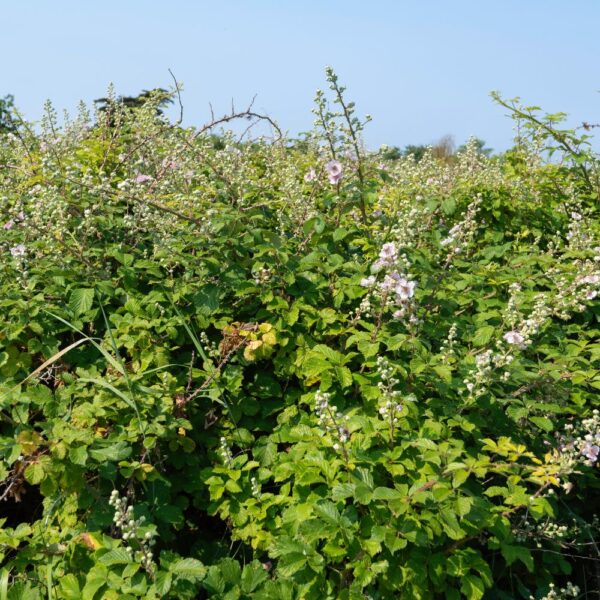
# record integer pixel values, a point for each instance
(591, 279)
(514, 338)
(142, 178)
(9, 224)
(591, 451)
(18, 250)
(387, 284)
(334, 171)
(311, 175)
(169, 163)
(388, 253)
(405, 289)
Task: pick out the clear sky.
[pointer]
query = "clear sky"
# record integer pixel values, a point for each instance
(421, 69)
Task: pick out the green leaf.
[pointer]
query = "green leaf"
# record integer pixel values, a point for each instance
(543, 423)
(117, 556)
(514, 553)
(188, 568)
(113, 453)
(444, 372)
(95, 579)
(81, 300)
(383, 493)
(472, 587)
(163, 582)
(483, 335)
(252, 576)
(463, 505)
(341, 491)
(35, 472)
(69, 587)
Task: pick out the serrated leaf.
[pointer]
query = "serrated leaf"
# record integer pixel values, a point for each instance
(69, 587)
(163, 582)
(116, 556)
(543, 423)
(188, 568)
(81, 300)
(35, 472)
(483, 335)
(252, 576)
(383, 493)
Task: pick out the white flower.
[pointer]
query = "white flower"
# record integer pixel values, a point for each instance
(388, 253)
(387, 284)
(514, 337)
(311, 175)
(405, 289)
(368, 281)
(591, 451)
(591, 295)
(377, 266)
(18, 250)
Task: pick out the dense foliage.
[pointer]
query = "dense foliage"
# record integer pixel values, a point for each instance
(279, 369)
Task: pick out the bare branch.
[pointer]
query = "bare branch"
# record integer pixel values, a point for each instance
(178, 98)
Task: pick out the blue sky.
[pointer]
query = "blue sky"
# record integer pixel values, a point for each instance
(421, 69)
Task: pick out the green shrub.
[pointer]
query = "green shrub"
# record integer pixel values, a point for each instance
(259, 369)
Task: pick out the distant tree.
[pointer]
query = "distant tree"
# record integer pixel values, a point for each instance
(6, 106)
(416, 150)
(444, 148)
(161, 97)
(479, 147)
(391, 153)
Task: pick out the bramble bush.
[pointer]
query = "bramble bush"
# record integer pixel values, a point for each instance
(280, 369)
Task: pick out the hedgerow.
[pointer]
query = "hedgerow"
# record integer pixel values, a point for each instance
(274, 368)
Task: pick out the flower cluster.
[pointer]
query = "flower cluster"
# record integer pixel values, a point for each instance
(395, 288)
(461, 235)
(138, 545)
(578, 444)
(210, 348)
(578, 233)
(390, 404)
(476, 382)
(255, 486)
(585, 439)
(330, 421)
(501, 354)
(548, 530)
(225, 451)
(262, 275)
(19, 218)
(570, 591)
(447, 347)
(333, 169)
(18, 250)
